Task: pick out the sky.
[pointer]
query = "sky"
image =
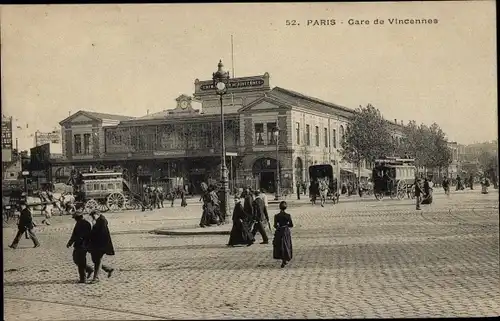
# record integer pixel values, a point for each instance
(127, 59)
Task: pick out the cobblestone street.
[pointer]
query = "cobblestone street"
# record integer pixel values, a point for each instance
(357, 259)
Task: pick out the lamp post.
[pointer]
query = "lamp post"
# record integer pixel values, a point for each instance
(220, 81)
(276, 132)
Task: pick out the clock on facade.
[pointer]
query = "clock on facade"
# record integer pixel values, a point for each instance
(184, 104)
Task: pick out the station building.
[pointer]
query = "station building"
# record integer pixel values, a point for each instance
(184, 142)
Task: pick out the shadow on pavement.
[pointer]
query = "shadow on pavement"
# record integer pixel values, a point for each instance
(39, 282)
(173, 247)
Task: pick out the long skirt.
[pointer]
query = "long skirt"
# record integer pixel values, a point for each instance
(427, 199)
(240, 234)
(282, 244)
(484, 189)
(208, 217)
(183, 202)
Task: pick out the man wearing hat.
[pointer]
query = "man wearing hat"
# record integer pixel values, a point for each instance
(80, 241)
(25, 225)
(260, 217)
(100, 244)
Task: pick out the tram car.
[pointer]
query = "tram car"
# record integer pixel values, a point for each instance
(394, 177)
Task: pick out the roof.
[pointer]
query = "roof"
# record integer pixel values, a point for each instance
(109, 116)
(293, 98)
(96, 116)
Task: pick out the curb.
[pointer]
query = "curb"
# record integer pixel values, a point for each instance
(189, 233)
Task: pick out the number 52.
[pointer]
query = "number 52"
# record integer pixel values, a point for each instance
(291, 22)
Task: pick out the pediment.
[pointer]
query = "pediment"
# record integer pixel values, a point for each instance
(81, 119)
(78, 118)
(264, 104)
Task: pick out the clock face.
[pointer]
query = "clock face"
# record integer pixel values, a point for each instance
(184, 104)
(221, 86)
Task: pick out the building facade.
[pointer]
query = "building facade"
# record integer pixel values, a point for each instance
(263, 126)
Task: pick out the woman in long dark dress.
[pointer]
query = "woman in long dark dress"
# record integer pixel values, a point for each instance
(240, 233)
(282, 242)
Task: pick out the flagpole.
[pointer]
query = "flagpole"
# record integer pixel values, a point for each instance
(232, 56)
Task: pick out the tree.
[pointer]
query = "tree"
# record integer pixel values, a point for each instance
(488, 163)
(427, 145)
(367, 138)
(439, 154)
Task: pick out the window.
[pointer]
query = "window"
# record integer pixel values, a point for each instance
(270, 133)
(317, 135)
(259, 133)
(78, 143)
(86, 144)
(308, 135)
(326, 137)
(334, 138)
(341, 134)
(297, 132)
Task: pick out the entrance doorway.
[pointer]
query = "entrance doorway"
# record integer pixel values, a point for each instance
(264, 169)
(267, 182)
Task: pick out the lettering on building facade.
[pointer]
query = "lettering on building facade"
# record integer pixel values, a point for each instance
(237, 84)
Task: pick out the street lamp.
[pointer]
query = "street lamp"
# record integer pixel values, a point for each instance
(220, 82)
(276, 132)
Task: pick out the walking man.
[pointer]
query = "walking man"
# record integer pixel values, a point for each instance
(446, 185)
(260, 217)
(80, 241)
(25, 225)
(100, 244)
(418, 192)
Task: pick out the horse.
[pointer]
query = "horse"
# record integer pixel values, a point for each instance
(323, 191)
(66, 203)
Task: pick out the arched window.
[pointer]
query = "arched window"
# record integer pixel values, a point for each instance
(341, 134)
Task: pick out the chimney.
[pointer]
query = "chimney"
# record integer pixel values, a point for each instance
(395, 121)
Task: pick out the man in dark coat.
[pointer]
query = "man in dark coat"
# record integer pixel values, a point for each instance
(471, 182)
(260, 217)
(25, 225)
(80, 241)
(248, 202)
(418, 192)
(100, 244)
(446, 185)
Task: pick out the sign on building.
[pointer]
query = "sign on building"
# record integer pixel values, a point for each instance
(6, 139)
(53, 137)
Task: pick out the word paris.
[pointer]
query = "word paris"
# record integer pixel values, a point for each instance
(355, 22)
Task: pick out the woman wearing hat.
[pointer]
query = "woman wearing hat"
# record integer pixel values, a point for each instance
(240, 233)
(25, 225)
(282, 242)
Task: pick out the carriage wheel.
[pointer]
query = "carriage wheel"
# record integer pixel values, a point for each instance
(401, 192)
(132, 203)
(102, 207)
(91, 205)
(116, 201)
(378, 195)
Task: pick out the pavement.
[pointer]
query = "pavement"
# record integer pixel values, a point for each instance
(355, 259)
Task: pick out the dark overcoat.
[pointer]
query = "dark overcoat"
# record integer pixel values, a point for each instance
(25, 220)
(100, 238)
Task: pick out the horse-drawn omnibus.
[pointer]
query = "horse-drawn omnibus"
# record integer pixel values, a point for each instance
(103, 190)
(393, 177)
(323, 174)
